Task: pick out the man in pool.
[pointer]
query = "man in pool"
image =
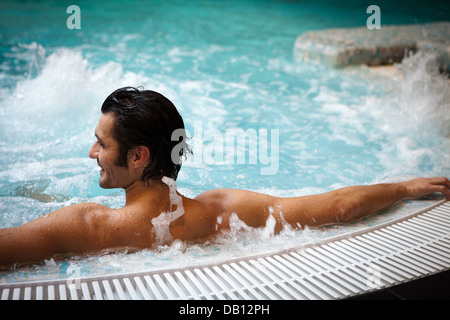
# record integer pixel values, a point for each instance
(135, 151)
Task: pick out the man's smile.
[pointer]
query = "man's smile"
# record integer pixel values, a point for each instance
(101, 168)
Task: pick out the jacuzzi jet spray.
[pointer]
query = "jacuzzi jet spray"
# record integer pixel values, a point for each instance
(162, 222)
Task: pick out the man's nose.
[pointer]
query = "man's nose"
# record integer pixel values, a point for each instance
(93, 153)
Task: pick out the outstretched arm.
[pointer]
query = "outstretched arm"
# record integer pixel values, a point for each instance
(353, 203)
(338, 206)
(368, 200)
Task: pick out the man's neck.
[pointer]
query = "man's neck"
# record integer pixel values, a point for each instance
(148, 192)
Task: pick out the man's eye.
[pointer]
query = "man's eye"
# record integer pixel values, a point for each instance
(101, 144)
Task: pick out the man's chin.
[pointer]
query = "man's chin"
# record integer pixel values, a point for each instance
(105, 184)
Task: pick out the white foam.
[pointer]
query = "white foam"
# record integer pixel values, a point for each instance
(409, 121)
(66, 91)
(415, 119)
(162, 222)
(424, 95)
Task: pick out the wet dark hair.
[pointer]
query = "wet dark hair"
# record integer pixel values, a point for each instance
(147, 118)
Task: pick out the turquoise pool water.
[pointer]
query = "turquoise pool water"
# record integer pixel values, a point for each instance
(226, 66)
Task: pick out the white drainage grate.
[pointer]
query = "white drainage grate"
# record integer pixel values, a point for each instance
(377, 258)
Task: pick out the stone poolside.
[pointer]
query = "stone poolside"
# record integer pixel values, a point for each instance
(353, 46)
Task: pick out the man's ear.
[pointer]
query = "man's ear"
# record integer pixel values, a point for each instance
(139, 156)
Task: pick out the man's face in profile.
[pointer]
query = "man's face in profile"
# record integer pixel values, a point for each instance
(106, 151)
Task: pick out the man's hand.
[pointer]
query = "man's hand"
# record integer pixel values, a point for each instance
(421, 187)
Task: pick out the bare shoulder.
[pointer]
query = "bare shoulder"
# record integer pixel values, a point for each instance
(214, 197)
(200, 217)
(84, 207)
(114, 229)
(78, 211)
(230, 198)
(251, 207)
